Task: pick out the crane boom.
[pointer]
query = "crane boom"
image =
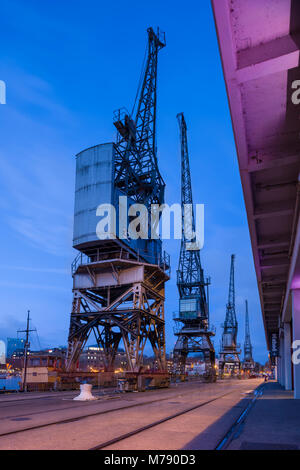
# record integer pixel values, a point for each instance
(230, 324)
(229, 353)
(192, 324)
(136, 171)
(190, 277)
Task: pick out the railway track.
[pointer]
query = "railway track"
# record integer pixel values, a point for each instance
(66, 395)
(102, 398)
(77, 418)
(109, 394)
(224, 442)
(63, 398)
(155, 423)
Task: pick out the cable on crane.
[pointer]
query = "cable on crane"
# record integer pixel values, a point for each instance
(140, 79)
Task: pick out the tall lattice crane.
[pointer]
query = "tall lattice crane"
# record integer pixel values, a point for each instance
(229, 353)
(113, 302)
(136, 169)
(248, 358)
(190, 277)
(230, 324)
(192, 324)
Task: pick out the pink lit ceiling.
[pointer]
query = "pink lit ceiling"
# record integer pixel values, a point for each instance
(259, 44)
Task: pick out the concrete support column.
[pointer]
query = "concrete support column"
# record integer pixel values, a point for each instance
(296, 336)
(287, 356)
(281, 361)
(279, 368)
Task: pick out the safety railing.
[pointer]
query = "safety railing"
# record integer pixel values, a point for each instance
(180, 320)
(161, 259)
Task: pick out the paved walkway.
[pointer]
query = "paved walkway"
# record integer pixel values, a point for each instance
(273, 422)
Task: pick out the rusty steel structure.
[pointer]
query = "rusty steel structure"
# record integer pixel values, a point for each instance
(194, 334)
(118, 296)
(230, 353)
(119, 282)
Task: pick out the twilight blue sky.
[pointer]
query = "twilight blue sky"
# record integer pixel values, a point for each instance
(67, 67)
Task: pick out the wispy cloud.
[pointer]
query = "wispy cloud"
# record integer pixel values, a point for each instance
(36, 270)
(47, 237)
(26, 90)
(36, 188)
(24, 285)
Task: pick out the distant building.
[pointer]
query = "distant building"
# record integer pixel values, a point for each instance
(15, 346)
(2, 352)
(59, 351)
(92, 359)
(169, 365)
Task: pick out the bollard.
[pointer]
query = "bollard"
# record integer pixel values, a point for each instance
(85, 393)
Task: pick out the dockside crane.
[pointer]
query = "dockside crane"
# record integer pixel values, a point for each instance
(248, 358)
(229, 354)
(128, 306)
(192, 329)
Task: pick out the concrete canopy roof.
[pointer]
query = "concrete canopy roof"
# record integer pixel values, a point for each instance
(259, 44)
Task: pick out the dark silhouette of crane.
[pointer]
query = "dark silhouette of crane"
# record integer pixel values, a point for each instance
(192, 325)
(229, 353)
(248, 358)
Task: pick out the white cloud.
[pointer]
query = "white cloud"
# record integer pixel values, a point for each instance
(35, 270)
(24, 285)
